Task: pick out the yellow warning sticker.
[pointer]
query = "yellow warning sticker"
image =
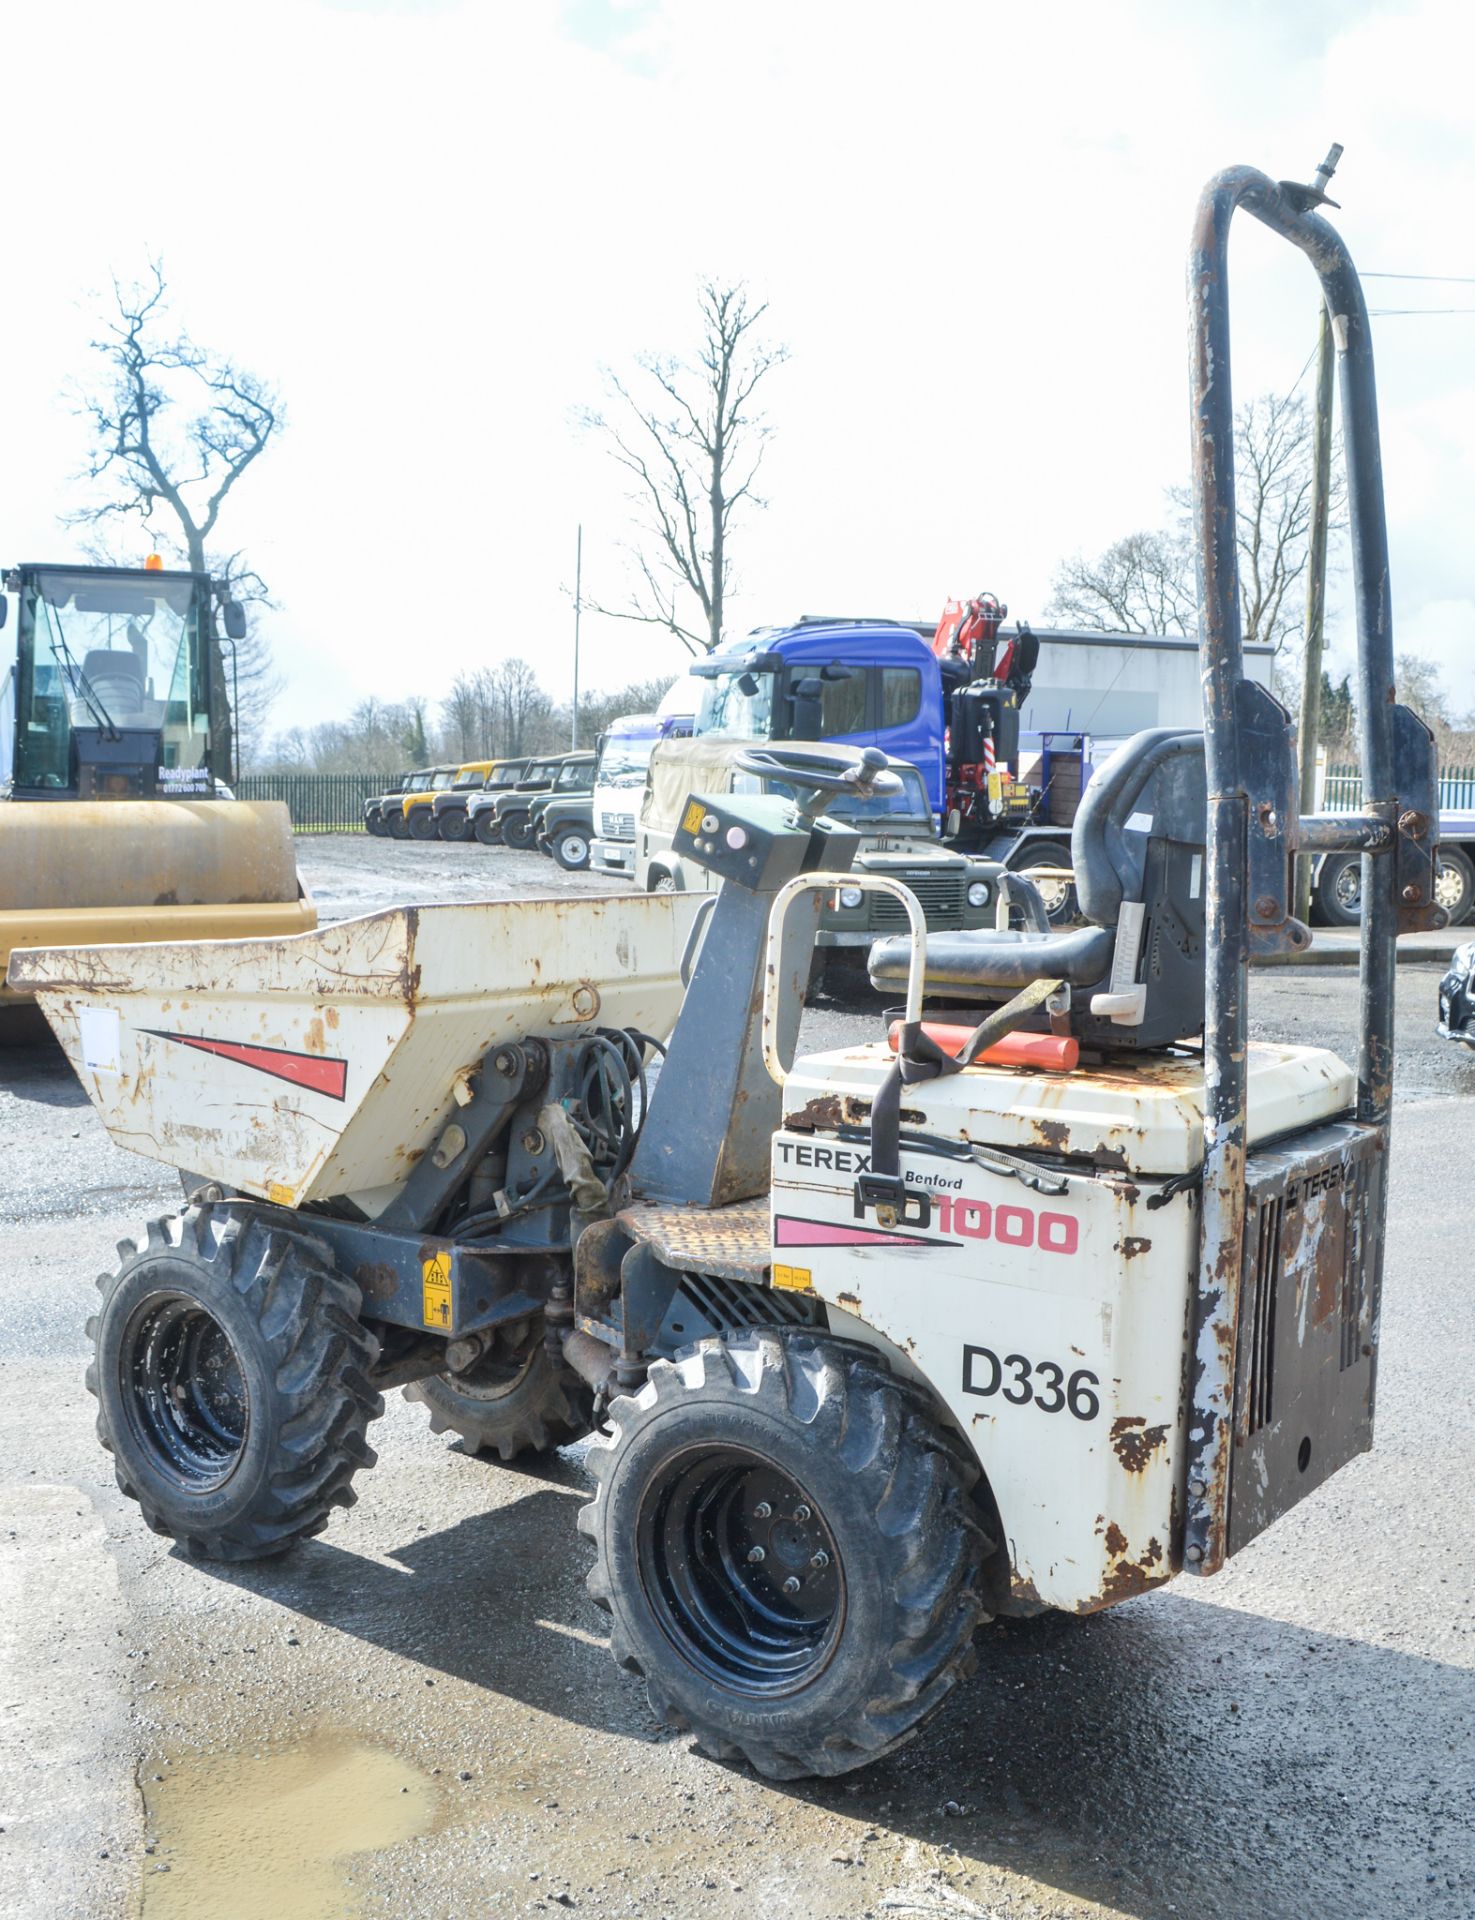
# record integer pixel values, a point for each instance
(691, 820)
(793, 1279)
(435, 1290)
(279, 1195)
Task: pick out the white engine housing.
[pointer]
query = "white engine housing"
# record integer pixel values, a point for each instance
(1041, 1287)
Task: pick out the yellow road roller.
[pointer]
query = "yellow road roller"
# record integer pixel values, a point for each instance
(116, 819)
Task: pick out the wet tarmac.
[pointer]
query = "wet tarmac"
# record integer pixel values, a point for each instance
(416, 1714)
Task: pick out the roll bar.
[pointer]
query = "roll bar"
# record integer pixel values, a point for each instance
(1395, 831)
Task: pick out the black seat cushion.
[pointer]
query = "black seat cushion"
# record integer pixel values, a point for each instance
(1081, 957)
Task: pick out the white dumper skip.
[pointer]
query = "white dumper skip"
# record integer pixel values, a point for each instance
(325, 1065)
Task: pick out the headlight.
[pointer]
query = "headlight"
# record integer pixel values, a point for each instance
(978, 894)
(851, 896)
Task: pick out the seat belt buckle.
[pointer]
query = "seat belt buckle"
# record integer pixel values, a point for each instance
(894, 1204)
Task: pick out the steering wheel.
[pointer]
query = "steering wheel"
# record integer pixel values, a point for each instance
(866, 774)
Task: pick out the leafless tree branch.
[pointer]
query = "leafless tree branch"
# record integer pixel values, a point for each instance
(683, 438)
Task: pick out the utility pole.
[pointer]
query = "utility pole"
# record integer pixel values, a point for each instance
(578, 610)
(1308, 733)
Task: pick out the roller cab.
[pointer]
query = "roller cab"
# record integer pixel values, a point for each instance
(116, 820)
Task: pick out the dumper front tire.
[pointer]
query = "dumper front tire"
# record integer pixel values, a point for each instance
(787, 1547)
(231, 1375)
(510, 1403)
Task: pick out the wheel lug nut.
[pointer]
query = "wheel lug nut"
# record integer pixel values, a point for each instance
(763, 1511)
(821, 1559)
(801, 1512)
(791, 1585)
(755, 1554)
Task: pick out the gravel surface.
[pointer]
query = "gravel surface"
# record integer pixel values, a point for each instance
(427, 1684)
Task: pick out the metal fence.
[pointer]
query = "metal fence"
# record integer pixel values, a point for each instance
(1344, 789)
(317, 802)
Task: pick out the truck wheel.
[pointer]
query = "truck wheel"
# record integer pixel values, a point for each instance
(230, 1372)
(571, 849)
(1338, 891)
(453, 824)
(1454, 884)
(517, 830)
(374, 825)
(486, 829)
(786, 1546)
(399, 827)
(660, 882)
(422, 824)
(514, 1400)
(1059, 896)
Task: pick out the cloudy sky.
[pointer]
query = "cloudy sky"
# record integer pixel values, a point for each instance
(431, 224)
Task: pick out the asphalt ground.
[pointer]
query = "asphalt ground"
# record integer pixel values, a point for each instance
(416, 1714)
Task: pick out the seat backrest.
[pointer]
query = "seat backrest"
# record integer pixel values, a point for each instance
(116, 679)
(1152, 788)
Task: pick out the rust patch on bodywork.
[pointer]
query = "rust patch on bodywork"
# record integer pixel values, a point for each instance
(825, 1112)
(1134, 1442)
(850, 1302)
(1133, 1244)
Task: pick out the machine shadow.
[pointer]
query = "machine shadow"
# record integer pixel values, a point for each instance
(1129, 1759)
(497, 1601)
(1178, 1758)
(32, 1064)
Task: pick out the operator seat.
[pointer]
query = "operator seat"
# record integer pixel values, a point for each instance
(116, 680)
(1136, 973)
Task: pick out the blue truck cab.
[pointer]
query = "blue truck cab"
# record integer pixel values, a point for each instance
(861, 683)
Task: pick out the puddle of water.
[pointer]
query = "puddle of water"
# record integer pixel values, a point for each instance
(266, 1836)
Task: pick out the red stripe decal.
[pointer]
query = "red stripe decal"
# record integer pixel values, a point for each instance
(310, 1070)
(819, 1233)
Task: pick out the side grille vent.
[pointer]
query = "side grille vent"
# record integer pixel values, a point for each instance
(1264, 1285)
(1354, 1281)
(731, 1303)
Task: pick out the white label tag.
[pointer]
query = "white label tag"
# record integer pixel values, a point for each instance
(101, 1032)
(1195, 876)
(1139, 823)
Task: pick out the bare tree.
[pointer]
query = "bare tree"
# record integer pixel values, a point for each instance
(1141, 584)
(175, 425)
(691, 439)
(520, 706)
(1145, 582)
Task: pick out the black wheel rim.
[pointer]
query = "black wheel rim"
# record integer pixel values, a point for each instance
(741, 1570)
(185, 1391)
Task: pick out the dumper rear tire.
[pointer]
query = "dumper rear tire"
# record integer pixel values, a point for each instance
(787, 1547)
(231, 1375)
(511, 1403)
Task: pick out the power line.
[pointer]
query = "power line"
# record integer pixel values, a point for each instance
(1448, 279)
(1394, 313)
